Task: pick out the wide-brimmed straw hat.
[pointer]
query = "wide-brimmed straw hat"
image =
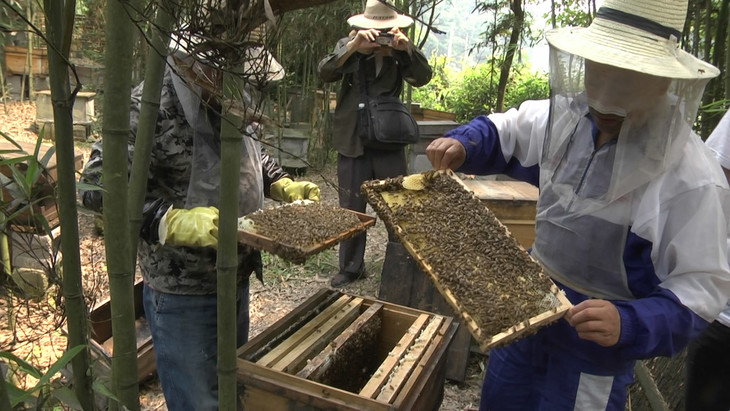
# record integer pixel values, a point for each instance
(639, 35)
(379, 15)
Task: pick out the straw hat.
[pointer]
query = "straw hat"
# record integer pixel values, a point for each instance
(379, 16)
(639, 35)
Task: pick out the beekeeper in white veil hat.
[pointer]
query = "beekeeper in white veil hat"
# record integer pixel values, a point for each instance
(631, 220)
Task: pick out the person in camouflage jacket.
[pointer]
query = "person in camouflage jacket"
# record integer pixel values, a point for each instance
(180, 281)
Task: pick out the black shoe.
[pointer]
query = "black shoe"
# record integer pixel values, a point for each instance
(345, 277)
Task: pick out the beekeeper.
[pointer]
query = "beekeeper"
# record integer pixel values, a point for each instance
(177, 254)
(632, 217)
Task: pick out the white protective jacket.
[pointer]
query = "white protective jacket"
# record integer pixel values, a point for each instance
(666, 269)
(719, 143)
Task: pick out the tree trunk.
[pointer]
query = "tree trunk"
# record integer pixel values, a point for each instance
(519, 19)
(154, 72)
(59, 26)
(115, 132)
(228, 253)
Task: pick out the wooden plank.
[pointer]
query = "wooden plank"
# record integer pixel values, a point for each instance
(522, 230)
(502, 190)
(324, 358)
(278, 352)
(379, 378)
(286, 325)
(426, 385)
(405, 367)
(403, 282)
(295, 359)
(305, 394)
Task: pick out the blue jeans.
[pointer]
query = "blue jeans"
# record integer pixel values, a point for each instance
(185, 336)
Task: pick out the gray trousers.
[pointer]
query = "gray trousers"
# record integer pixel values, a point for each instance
(351, 173)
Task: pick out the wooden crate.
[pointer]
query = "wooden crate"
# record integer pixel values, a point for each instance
(514, 203)
(395, 353)
(102, 340)
(16, 60)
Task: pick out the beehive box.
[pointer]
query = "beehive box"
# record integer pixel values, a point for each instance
(16, 60)
(428, 131)
(344, 352)
(102, 340)
(481, 270)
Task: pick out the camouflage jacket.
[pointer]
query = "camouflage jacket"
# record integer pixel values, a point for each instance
(172, 269)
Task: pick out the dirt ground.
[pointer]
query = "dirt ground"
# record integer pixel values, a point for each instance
(285, 286)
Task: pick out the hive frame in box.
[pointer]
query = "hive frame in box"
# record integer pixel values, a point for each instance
(287, 251)
(372, 191)
(272, 367)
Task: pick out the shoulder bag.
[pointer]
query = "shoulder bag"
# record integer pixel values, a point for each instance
(384, 122)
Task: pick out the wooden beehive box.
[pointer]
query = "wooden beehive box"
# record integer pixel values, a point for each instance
(102, 340)
(16, 60)
(343, 352)
(476, 264)
(514, 203)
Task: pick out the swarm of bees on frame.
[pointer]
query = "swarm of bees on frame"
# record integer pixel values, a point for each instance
(459, 241)
(301, 226)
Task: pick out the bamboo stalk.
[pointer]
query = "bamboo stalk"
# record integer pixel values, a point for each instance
(120, 34)
(227, 259)
(60, 17)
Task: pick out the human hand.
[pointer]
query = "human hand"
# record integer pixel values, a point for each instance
(287, 190)
(446, 153)
(364, 41)
(596, 320)
(197, 227)
(400, 40)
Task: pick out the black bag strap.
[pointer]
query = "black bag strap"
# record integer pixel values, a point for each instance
(363, 81)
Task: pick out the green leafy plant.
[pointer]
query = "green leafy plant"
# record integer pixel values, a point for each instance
(47, 392)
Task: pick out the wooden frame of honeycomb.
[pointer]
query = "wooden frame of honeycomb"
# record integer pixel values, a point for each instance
(499, 291)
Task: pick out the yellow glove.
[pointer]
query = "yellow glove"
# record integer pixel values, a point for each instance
(197, 227)
(287, 190)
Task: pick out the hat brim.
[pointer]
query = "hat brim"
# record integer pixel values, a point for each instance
(622, 46)
(259, 63)
(360, 21)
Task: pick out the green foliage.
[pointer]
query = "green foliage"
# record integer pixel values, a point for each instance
(474, 91)
(568, 14)
(278, 270)
(25, 183)
(525, 85)
(47, 393)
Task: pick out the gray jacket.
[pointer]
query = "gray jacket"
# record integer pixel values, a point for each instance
(412, 67)
(172, 269)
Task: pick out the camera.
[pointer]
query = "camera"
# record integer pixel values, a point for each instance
(384, 39)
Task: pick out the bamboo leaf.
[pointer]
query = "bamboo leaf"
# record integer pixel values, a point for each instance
(22, 364)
